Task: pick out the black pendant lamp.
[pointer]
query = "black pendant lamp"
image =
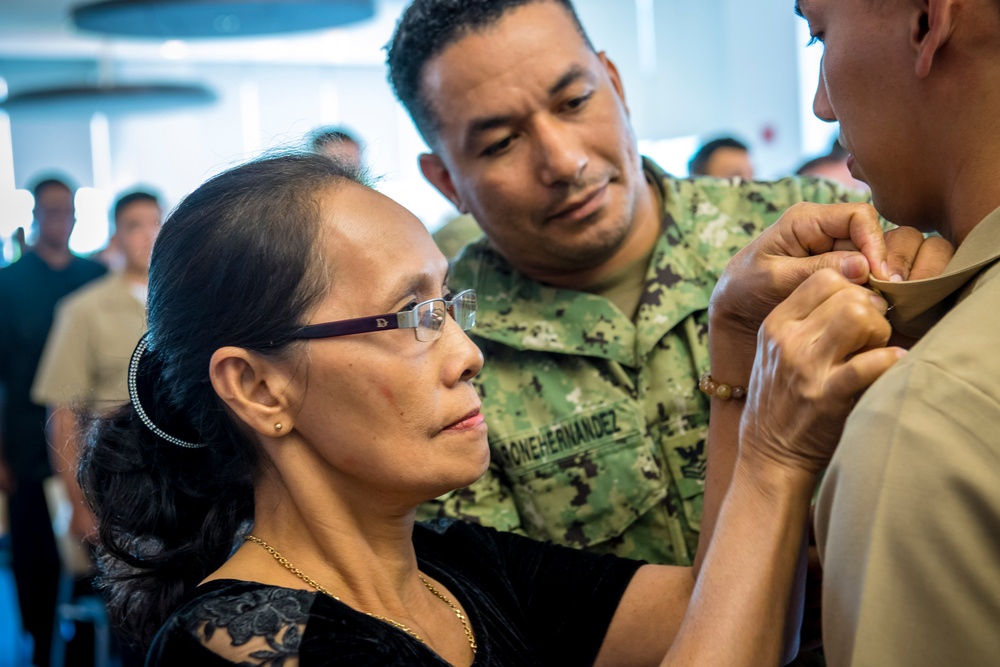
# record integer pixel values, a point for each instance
(111, 98)
(185, 19)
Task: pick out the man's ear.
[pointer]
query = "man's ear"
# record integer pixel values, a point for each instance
(254, 388)
(931, 29)
(435, 171)
(616, 79)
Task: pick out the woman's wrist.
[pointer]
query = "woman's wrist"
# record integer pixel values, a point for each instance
(731, 356)
(774, 479)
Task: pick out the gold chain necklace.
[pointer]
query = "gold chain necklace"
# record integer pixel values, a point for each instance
(304, 577)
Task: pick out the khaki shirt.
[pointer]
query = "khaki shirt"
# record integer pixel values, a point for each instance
(596, 426)
(908, 519)
(85, 362)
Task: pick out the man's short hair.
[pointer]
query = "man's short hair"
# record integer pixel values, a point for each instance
(130, 198)
(322, 136)
(837, 154)
(49, 182)
(426, 29)
(698, 166)
(816, 162)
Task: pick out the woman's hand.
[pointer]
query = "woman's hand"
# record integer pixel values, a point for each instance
(816, 352)
(807, 238)
(846, 238)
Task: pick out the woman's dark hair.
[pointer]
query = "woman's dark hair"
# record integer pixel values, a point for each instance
(234, 264)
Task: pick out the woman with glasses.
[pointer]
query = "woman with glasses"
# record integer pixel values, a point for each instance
(304, 385)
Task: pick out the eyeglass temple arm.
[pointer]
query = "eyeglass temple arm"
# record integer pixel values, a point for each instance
(358, 325)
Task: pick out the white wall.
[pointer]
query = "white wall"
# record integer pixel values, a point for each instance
(721, 67)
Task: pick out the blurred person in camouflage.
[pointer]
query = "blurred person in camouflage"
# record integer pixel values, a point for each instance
(594, 275)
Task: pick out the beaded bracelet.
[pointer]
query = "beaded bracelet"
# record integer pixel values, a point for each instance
(720, 390)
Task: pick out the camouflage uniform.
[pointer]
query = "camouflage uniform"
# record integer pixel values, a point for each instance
(455, 233)
(596, 427)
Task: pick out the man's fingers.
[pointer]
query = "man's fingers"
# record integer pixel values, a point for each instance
(932, 258)
(903, 244)
(913, 257)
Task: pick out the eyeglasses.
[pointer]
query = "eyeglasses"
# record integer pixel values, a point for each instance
(426, 319)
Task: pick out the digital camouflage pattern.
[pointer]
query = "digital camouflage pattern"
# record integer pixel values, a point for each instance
(596, 425)
(456, 233)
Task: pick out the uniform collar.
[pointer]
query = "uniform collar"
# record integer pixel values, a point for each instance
(919, 304)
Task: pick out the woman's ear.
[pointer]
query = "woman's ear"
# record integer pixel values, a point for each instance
(256, 389)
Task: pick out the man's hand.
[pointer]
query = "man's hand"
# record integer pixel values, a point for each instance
(911, 256)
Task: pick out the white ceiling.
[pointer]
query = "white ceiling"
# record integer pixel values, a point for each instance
(42, 29)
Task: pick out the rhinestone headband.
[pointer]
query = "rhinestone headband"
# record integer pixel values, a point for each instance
(133, 394)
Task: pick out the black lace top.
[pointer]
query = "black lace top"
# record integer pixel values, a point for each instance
(529, 603)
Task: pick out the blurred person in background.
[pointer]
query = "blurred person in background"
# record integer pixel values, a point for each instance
(84, 366)
(833, 166)
(722, 158)
(338, 144)
(29, 291)
(85, 361)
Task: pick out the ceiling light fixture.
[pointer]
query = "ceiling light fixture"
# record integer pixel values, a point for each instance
(110, 99)
(184, 19)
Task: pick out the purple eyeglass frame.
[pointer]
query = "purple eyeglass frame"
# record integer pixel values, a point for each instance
(404, 319)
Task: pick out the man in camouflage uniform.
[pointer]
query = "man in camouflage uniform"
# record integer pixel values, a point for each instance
(597, 427)
(594, 277)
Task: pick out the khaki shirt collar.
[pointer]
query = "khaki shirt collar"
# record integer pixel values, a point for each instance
(916, 306)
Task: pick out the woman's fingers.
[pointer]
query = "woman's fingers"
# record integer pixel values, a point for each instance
(850, 321)
(817, 289)
(826, 322)
(810, 229)
(816, 352)
(859, 372)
